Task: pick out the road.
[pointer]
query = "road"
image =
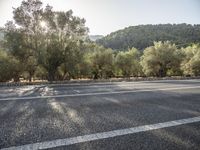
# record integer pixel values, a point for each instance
(112, 116)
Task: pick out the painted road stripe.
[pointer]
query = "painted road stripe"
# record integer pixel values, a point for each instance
(118, 85)
(93, 94)
(123, 82)
(102, 135)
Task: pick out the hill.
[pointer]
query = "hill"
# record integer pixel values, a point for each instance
(143, 36)
(1, 35)
(95, 37)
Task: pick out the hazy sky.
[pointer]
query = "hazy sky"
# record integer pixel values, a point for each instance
(105, 16)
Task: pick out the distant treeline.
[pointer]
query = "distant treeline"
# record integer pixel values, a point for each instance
(143, 36)
(53, 45)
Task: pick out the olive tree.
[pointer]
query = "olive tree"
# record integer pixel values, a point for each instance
(101, 61)
(127, 62)
(9, 66)
(191, 62)
(162, 59)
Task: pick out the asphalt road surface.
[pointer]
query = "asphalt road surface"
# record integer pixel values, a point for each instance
(150, 115)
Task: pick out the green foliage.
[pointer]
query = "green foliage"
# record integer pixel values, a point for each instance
(41, 73)
(127, 62)
(64, 34)
(101, 61)
(45, 37)
(143, 36)
(52, 59)
(161, 59)
(191, 63)
(9, 67)
(72, 58)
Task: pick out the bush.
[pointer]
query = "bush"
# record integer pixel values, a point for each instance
(9, 67)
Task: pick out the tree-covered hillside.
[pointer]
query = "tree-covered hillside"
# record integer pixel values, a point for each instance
(143, 36)
(1, 34)
(95, 37)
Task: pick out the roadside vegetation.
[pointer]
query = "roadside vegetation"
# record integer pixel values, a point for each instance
(53, 45)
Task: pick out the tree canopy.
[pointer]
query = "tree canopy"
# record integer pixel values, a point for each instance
(191, 62)
(43, 37)
(127, 62)
(161, 59)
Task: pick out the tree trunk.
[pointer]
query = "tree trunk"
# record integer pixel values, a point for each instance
(16, 79)
(51, 76)
(30, 76)
(30, 79)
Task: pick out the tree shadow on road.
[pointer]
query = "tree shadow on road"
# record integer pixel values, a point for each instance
(30, 121)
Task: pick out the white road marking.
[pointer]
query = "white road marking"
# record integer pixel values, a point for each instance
(120, 85)
(107, 84)
(100, 93)
(124, 82)
(102, 135)
(77, 91)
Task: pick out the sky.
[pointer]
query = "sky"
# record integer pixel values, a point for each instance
(106, 16)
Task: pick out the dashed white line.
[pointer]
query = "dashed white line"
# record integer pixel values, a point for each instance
(98, 93)
(77, 91)
(102, 135)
